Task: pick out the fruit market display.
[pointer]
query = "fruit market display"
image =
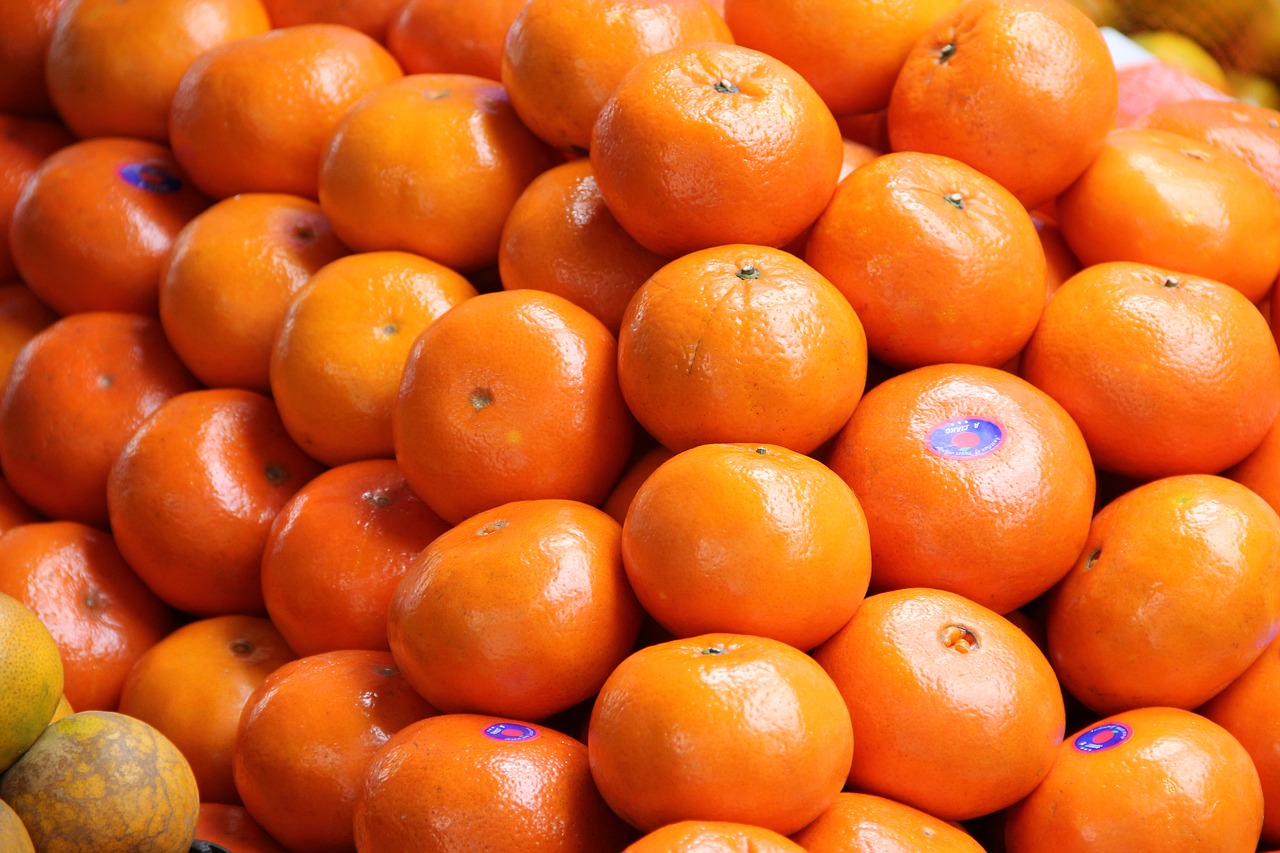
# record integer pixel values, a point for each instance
(666, 426)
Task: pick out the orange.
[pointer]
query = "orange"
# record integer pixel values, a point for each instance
(254, 114)
(511, 396)
(233, 828)
(710, 144)
(13, 835)
(306, 738)
(112, 67)
(24, 144)
(522, 611)
(725, 727)
(713, 836)
(100, 614)
(33, 676)
(26, 27)
(1060, 262)
(193, 494)
(865, 823)
(1260, 470)
(1038, 89)
(1155, 611)
(1164, 372)
(93, 224)
(1168, 777)
(1248, 131)
(1161, 198)
(748, 539)
(941, 263)
(460, 158)
(850, 52)
(560, 237)
(227, 282)
(562, 59)
(336, 551)
(447, 37)
(77, 392)
(13, 510)
(624, 491)
(741, 343)
(972, 481)
(340, 349)
(22, 316)
(371, 17)
(193, 685)
(469, 782)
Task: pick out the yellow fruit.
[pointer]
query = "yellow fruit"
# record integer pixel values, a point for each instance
(64, 708)
(1184, 52)
(31, 675)
(1104, 13)
(1253, 89)
(13, 835)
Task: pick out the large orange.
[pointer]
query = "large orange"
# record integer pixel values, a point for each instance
(24, 144)
(709, 144)
(26, 27)
(865, 823)
(1248, 131)
(741, 343)
(1037, 85)
(1165, 373)
(713, 836)
(726, 727)
(448, 37)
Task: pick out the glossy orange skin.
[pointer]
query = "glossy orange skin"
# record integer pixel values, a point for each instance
(24, 144)
(371, 17)
(76, 393)
(999, 528)
(624, 491)
(1248, 131)
(233, 828)
(254, 114)
(193, 494)
(1204, 611)
(562, 59)
(684, 166)
(1038, 87)
(90, 235)
(741, 343)
(99, 612)
(22, 317)
(193, 685)
(865, 823)
(431, 165)
(521, 611)
(336, 552)
(941, 263)
(444, 784)
(1165, 373)
(726, 727)
(446, 37)
(341, 346)
(511, 396)
(748, 539)
(227, 281)
(1157, 197)
(26, 28)
(306, 738)
(1179, 783)
(560, 237)
(707, 836)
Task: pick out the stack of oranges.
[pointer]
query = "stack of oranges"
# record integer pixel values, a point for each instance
(660, 425)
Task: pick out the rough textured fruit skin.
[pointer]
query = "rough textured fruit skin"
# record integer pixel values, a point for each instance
(31, 672)
(13, 835)
(102, 782)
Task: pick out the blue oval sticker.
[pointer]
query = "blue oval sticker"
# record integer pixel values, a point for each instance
(1102, 737)
(965, 438)
(150, 178)
(510, 732)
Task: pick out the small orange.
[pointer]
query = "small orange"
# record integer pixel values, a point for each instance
(709, 144)
(371, 17)
(713, 836)
(1248, 131)
(624, 491)
(26, 28)
(22, 317)
(13, 509)
(447, 37)
(1060, 262)
(865, 823)
(1165, 777)
(725, 727)
(336, 551)
(741, 343)
(232, 827)
(1260, 470)
(24, 144)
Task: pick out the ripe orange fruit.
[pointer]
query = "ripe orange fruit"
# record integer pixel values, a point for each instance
(562, 59)
(193, 494)
(850, 52)
(341, 347)
(26, 27)
(232, 827)
(13, 835)
(13, 510)
(371, 17)
(76, 393)
(713, 836)
(1163, 775)
(32, 672)
(865, 823)
(1161, 198)
(726, 727)
(560, 237)
(254, 114)
(336, 551)
(1260, 470)
(112, 68)
(1038, 87)
(624, 491)
(1155, 611)
(306, 737)
(227, 282)
(709, 144)
(24, 144)
(1248, 131)
(1060, 262)
(972, 481)
(446, 37)
(747, 539)
(511, 396)
(193, 684)
(942, 689)
(1165, 373)
(100, 614)
(93, 224)
(741, 343)
(968, 279)
(22, 316)
(461, 159)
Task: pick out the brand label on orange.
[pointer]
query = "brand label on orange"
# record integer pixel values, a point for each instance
(1102, 737)
(510, 732)
(965, 438)
(149, 178)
